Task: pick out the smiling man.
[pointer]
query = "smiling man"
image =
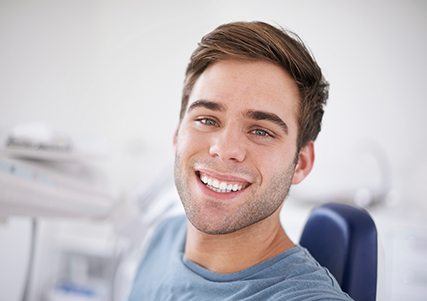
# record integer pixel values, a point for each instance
(251, 109)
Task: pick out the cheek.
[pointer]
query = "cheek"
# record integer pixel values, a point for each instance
(189, 142)
(272, 162)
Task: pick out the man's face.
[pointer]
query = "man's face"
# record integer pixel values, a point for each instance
(236, 145)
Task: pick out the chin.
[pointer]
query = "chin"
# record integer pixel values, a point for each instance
(218, 226)
(214, 230)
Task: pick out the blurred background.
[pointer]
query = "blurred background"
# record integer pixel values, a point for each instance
(89, 100)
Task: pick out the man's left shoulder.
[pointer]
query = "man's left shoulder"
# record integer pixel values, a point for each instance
(306, 279)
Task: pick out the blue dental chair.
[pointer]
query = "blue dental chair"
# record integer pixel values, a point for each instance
(343, 239)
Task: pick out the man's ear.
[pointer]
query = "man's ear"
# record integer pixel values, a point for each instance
(305, 162)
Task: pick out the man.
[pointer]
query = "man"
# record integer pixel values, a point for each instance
(251, 109)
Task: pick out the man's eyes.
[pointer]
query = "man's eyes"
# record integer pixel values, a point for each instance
(257, 132)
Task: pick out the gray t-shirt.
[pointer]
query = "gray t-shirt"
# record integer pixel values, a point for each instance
(165, 274)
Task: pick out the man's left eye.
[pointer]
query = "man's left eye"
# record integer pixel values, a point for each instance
(261, 133)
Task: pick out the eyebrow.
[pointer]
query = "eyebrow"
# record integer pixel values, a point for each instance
(214, 106)
(261, 115)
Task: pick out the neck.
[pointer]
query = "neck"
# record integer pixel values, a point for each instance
(233, 252)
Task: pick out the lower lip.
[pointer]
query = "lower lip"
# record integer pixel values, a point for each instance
(217, 195)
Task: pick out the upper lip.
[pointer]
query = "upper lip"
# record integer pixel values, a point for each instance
(223, 176)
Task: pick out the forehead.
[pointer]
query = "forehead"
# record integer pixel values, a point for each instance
(254, 85)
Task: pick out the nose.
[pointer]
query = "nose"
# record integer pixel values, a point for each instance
(228, 144)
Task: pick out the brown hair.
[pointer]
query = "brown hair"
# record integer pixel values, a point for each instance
(261, 41)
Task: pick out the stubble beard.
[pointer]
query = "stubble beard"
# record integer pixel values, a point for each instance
(258, 206)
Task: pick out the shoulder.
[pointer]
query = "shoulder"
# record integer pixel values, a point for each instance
(306, 279)
(166, 239)
(300, 263)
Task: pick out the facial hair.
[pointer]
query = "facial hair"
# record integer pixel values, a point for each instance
(259, 204)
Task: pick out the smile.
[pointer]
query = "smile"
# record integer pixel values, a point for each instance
(219, 185)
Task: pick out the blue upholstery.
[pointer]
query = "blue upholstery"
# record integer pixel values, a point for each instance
(343, 239)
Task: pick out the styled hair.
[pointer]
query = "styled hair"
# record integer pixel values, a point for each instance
(261, 41)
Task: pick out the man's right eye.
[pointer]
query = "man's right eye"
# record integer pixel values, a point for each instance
(207, 121)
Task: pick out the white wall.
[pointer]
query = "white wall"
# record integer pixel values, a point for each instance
(114, 70)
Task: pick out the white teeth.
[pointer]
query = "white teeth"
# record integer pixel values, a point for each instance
(215, 183)
(204, 179)
(218, 186)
